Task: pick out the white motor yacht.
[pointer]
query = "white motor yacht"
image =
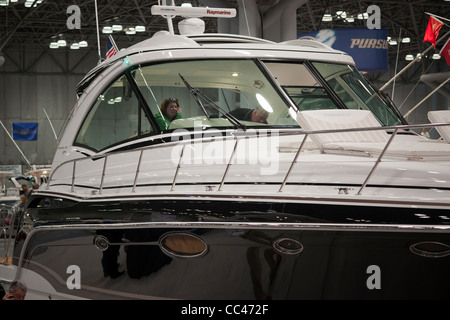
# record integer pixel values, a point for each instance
(283, 175)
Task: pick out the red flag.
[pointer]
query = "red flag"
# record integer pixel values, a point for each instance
(445, 51)
(432, 32)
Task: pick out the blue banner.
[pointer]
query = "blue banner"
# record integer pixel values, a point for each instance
(25, 131)
(368, 47)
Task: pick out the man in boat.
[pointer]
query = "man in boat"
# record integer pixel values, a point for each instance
(255, 115)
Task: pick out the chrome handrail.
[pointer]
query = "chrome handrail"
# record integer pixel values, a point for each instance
(244, 135)
(293, 162)
(378, 161)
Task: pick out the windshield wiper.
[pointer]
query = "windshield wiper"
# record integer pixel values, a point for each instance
(198, 95)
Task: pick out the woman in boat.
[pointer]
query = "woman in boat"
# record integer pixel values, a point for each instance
(169, 110)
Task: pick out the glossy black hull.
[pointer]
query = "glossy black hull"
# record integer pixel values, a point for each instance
(202, 250)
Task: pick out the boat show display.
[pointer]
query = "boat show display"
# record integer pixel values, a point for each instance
(215, 166)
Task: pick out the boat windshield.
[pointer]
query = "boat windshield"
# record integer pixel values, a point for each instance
(223, 93)
(213, 93)
(322, 85)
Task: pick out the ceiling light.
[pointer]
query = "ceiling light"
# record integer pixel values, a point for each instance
(341, 14)
(406, 40)
(130, 31)
(327, 17)
(117, 27)
(83, 44)
(62, 43)
(29, 3)
(436, 56)
(75, 46)
(54, 45)
(107, 30)
(409, 57)
(264, 103)
(4, 2)
(362, 16)
(350, 19)
(392, 42)
(140, 29)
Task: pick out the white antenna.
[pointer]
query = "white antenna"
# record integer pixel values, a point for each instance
(98, 34)
(51, 125)
(171, 11)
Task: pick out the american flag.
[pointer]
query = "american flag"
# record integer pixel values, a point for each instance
(111, 48)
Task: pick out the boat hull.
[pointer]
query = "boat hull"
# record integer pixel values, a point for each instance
(235, 250)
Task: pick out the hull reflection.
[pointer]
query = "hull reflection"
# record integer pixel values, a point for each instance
(176, 257)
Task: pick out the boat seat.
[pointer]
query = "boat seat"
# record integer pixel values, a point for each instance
(441, 116)
(367, 142)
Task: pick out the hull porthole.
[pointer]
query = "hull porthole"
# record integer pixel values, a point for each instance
(287, 246)
(185, 245)
(430, 249)
(101, 243)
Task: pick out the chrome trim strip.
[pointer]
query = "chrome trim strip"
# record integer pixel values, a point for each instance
(256, 198)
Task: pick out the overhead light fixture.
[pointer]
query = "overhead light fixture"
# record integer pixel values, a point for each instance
(83, 44)
(75, 46)
(327, 17)
(264, 103)
(392, 42)
(130, 30)
(350, 19)
(29, 3)
(107, 30)
(341, 14)
(406, 40)
(436, 56)
(4, 3)
(363, 16)
(62, 43)
(54, 45)
(409, 57)
(117, 27)
(140, 29)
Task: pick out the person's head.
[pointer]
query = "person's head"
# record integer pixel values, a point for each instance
(35, 186)
(169, 108)
(259, 115)
(17, 290)
(24, 187)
